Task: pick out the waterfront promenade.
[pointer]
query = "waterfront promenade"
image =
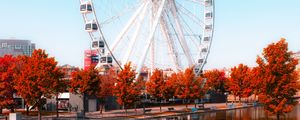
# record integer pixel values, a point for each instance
(139, 114)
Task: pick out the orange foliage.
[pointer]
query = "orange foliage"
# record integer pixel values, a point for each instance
(279, 79)
(126, 89)
(107, 84)
(256, 80)
(85, 81)
(215, 80)
(6, 82)
(171, 85)
(34, 75)
(189, 86)
(240, 82)
(156, 85)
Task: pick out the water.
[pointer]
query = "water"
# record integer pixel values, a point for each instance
(253, 113)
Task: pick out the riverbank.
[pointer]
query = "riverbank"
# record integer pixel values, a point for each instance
(151, 112)
(154, 112)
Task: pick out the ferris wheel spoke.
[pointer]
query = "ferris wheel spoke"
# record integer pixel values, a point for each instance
(181, 35)
(112, 18)
(189, 14)
(173, 53)
(175, 34)
(196, 1)
(135, 35)
(195, 38)
(151, 34)
(128, 25)
(152, 45)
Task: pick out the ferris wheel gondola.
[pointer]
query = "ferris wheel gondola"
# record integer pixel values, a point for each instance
(154, 34)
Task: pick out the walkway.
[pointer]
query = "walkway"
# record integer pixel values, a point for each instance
(155, 111)
(138, 113)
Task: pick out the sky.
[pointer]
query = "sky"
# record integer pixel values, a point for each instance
(242, 28)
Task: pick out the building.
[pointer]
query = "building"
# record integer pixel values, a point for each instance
(90, 58)
(77, 102)
(297, 56)
(65, 99)
(16, 47)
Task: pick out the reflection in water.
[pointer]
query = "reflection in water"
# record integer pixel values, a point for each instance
(253, 113)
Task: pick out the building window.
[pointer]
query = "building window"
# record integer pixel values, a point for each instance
(17, 46)
(4, 45)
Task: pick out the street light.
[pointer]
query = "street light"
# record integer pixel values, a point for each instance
(226, 93)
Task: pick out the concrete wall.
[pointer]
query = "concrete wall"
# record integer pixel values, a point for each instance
(76, 102)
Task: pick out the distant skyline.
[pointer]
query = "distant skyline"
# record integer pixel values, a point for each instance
(242, 28)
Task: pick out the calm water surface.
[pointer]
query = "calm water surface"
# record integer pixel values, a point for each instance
(253, 113)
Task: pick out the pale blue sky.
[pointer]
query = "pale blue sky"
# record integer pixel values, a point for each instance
(242, 28)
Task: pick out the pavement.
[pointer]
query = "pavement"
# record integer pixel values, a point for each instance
(139, 114)
(155, 111)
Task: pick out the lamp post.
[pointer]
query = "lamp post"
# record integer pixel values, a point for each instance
(226, 93)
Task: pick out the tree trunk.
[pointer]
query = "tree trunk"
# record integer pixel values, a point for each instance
(57, 105)
(39, 112)
(144, 107)
(125, 109)
(12, 109)
(27, 109)
(102, 103)
(160, 105)
(186, 103)
(277, 116)
(84, 104)
(135, 108)
(101, 108)
(234, 99)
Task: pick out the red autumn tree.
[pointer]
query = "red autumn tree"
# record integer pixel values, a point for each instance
(156, 85)
(125, 89)
(215, 80)
(140, 84)
(90, 82)
(138, 87)
(256, 79)
(279, 83)
(85, 82)
(239, 82)
(6, 82)
(59, 85)
(32, 81)
(171, 84)
(106, 86)
(189, 86)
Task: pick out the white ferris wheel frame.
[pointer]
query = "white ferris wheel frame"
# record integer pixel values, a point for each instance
(159, 17)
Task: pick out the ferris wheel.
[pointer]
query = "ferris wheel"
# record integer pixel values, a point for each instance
(164, 34)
